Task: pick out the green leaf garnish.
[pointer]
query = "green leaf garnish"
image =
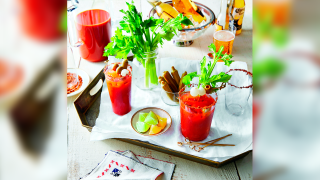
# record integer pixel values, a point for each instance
(188, 78)
(205, 78)
(141, 37)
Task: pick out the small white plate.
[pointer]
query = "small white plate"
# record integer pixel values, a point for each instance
(85, 80)
(159, 112)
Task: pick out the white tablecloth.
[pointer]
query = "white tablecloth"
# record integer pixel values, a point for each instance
(109, 125)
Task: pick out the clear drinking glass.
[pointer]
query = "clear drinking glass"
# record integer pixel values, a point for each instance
(225, 38)
(119, 88)
(147, 71)
(170, 98)
(238, 91)
(196, 114)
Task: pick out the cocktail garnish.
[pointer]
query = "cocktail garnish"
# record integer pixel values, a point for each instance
(141, 37)
(181, 85)
(194, 91)
(196, 146)
(119, 69)
(124, 63)
(205, 78)
(175, 75)
(154, 129)
(171, 82)
(151, 121)
(142, 127)
(115, 66)
(124, 72)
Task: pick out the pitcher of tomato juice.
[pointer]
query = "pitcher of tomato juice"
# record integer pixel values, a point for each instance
(89, 28)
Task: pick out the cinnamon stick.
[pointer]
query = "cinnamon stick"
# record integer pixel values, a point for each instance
(181, 85)
(175, 75)
(171, 82)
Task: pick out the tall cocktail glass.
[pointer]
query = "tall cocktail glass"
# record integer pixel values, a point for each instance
(196, 114)
(238, 91)
(119, 88)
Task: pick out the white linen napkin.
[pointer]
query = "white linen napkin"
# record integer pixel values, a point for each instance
(164, 166)
(118, 166)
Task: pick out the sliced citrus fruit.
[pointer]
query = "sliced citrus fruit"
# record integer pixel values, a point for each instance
(162, 122)
(142, 116)
(142, 127)
(151, 119)
(154, 130)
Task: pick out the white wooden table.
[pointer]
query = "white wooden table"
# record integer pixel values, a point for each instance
(84, 155)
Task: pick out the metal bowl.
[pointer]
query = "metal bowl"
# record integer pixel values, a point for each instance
(185, 37)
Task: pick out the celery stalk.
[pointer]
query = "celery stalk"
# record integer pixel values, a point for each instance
(150, 70)
(141, 37)
(147, 72)
(153, 73)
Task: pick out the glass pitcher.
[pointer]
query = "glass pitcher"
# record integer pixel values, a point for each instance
(89, 28)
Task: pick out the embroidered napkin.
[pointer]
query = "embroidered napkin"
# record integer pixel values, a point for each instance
(163, 166)
(118, 166)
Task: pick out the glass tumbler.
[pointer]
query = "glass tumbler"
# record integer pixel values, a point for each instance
(225, 38)
(196, 114)
(238, 91)
(119, 88)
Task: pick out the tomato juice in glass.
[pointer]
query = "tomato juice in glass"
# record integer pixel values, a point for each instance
(94, 30)
(119, 90)
(196, 115)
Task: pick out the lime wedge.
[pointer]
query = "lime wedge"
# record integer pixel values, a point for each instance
(142, 116)
(151, 119)
(142, 127)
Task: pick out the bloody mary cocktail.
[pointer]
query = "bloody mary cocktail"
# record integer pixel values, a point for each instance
(119, 88)
(196, 114)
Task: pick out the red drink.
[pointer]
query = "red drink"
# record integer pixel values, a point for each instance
(42, 19)
(196, 115)
(94, 30)
(119, 90)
